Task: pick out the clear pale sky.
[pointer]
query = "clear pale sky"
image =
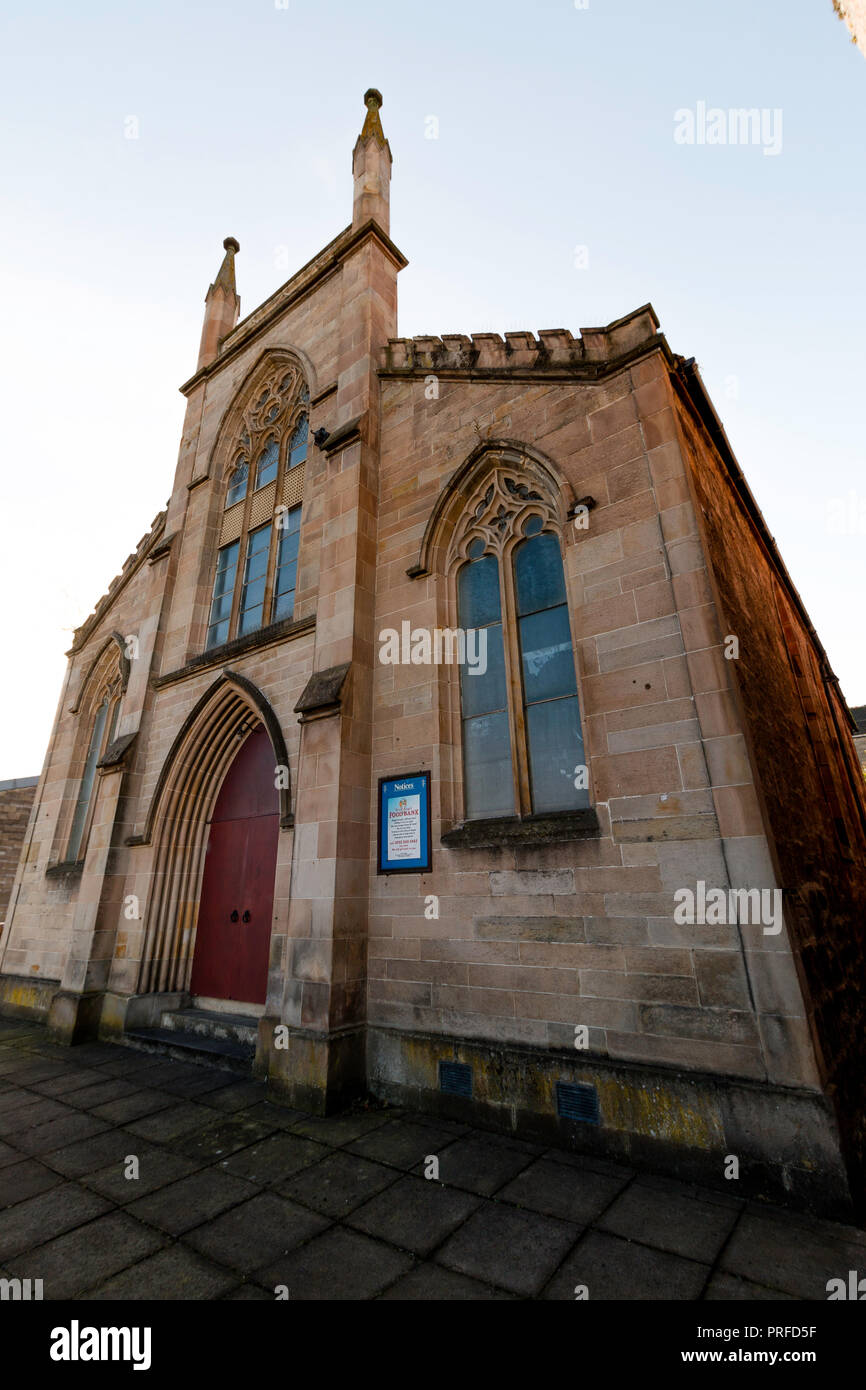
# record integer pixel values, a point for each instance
(555, 131)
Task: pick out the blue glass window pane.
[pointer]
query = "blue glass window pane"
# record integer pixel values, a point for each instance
(288, 548)
(256, 565)
(298, 443)
(269, 460)
(548, 660)
(480, 692)
(238, 483)
(538, 577)
(255, 570)
(85, 791)
(221, 607)
(487, 762)
(223, 592)
(284, 604)
(254, 592)
(228, 557)
(224, 580)
(555, 751)
(289, 522)
(251, 618)
(478, 592)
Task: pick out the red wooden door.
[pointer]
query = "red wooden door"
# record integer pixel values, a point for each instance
(231, 956)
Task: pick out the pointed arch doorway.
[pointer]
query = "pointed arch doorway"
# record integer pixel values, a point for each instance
(233, 930)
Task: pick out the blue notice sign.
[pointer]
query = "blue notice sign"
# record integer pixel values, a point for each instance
(404, 824)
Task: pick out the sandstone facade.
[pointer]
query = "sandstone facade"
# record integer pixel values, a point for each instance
(16, 802)
(710, 762)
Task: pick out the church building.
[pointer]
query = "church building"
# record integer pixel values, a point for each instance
(457, 737)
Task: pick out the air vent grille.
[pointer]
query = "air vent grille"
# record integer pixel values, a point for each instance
(577, 1102)
(455, 1078)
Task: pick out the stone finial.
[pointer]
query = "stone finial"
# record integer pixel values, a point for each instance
(222, 306)
(226, 275)
(371, 168)
(373, 125)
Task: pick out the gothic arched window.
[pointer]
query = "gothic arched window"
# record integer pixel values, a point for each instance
(102, 729)
(257, 561)
(523, 751)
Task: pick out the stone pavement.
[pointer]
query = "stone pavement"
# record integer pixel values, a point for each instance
(236, 1196)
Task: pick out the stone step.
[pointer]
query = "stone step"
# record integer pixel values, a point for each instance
(224, 1053)
(237, 1028)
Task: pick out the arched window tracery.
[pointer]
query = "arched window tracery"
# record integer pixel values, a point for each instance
(256, 564)
(522, 742)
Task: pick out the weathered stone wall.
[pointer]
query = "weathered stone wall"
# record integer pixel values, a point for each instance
(16, 803)
(811, 785)
(532, 941)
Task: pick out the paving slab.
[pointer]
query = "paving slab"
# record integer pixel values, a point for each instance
(188, 1203)
(612, 1268)
(475, 1164)
(414, 1214)
(224, 1135)
(792, 1255)
(672, 1219)
(726, 1288)
(275, 1159)
(403, 1143)
(242, 1095)
(156, 1168)
(33, 1110)
(175, 1273)
(255, 1233)
(71, 1079)
(201, 1082)
(558, 1189)
(90, 1155)
(337, 1130)
(431, 1283)
(102, 1090)
(78, 1261)
(25, 1179)
(16, 1099)
(515, 1250)
(336, 1185)
(173, 1123)
(37, 1219)
(134, 1107)
(45, 1138)
(340, 1266)
(249, 1293)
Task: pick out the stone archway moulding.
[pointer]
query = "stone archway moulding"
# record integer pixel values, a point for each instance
(178, 820)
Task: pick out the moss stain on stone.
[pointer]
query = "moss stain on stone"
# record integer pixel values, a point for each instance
(659, 1114)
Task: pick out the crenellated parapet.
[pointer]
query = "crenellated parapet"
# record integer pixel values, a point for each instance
(553, 351)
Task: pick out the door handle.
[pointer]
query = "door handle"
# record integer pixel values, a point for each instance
(247, 915)
(234, 916)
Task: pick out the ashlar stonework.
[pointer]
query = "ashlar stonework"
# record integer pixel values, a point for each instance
(335, 481)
